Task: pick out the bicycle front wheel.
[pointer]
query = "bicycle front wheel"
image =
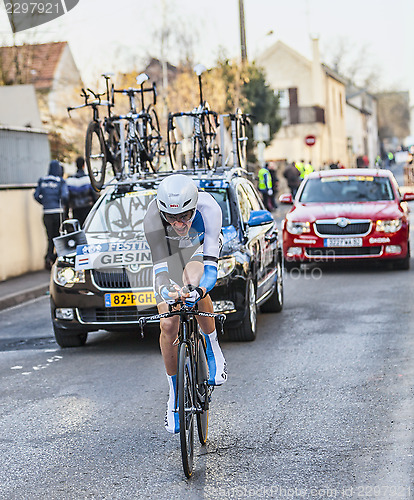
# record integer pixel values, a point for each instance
(95, 155)
(202, 391)
(186, 408)
(241, 139)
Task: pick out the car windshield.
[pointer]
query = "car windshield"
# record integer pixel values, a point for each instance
(221, 196)
(122, 214)
(344, 188)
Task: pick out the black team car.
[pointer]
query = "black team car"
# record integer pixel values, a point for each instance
(107, 283)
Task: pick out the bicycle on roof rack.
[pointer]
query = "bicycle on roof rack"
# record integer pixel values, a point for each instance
(192, 135)
(140, 136)
(101, 138)
(239, 122)
(193, 392)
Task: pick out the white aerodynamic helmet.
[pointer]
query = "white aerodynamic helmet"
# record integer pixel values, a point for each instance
(176, 194)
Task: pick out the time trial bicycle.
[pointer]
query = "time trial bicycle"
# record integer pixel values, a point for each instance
(193, 393)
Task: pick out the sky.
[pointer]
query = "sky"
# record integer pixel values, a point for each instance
(108, 35)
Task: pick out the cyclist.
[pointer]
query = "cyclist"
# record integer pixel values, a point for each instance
(183, 230)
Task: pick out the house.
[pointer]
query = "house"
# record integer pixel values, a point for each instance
(50, 68)
(312, 103)
(393, 118)
(361, 125)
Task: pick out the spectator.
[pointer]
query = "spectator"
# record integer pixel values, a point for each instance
(265, 186)
(52, 193)
(275, 182)
(292, 176)
(81, 194)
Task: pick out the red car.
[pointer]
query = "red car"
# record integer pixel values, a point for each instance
(347, 214)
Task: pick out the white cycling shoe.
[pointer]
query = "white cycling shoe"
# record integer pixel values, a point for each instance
(217, 367)
(172, 423)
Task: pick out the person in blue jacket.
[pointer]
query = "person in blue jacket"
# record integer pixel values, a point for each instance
(52, 192)
(81, 194)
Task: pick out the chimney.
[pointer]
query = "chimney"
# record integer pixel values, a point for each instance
(317, 75)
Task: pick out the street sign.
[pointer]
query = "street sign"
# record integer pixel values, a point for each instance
(261, 132)
(310, 140)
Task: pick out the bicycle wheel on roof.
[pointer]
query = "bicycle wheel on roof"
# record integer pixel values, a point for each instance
(95, 155)
(153, 139)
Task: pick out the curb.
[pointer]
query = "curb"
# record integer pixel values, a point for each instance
(21, 297)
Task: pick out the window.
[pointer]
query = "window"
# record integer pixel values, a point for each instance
(254, 201)
(284, 101)
(243, 203)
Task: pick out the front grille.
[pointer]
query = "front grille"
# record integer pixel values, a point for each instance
(332, 229)
(122, 278)
(342, 252)
(114, 314)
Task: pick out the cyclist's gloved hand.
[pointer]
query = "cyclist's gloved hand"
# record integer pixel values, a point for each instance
(191, 295)
(169, 293)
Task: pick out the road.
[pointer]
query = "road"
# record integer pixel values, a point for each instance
(321, 405)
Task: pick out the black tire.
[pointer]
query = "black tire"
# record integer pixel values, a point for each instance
(95, 155)
(185, 406)
(291, 265)
(114, 151)
(202, 391)
(241, 139)
(199, 158)
(246, 332)
(211, 150)
(65, 339)
(175, 140)
(154, 139)
(274, 303)
(404, 264)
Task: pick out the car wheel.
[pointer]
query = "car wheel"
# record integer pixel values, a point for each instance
(404, 264)
(66, 339)
(274, 303)
(291, 265)
(247, 330)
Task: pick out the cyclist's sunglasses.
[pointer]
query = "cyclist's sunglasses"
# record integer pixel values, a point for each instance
(183, 217)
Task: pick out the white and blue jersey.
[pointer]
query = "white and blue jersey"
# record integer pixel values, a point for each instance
(171, 252)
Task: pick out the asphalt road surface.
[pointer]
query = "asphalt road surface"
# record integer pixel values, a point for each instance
(319, 406)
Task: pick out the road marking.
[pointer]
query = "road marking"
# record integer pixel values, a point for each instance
(17, 367)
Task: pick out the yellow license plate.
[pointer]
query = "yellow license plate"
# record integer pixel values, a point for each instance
(129, 299)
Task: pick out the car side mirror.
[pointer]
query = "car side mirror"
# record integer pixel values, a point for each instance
(286, 198)
(259, 217)
(69, 226)
(407, 197)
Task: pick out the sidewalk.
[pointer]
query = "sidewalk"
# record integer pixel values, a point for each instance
(17, 290)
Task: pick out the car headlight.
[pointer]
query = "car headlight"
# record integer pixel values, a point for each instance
(225, 266)
(297, 227)
(67, 276)
(388, 226)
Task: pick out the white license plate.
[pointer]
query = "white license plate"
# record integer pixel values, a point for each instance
(342, 242)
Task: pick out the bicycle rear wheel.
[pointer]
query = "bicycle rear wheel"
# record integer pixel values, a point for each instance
(114, 150)
(95, 155)
(211, 148)
(202, 391)
(175, 143)
(154, 139)
(185, 408)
